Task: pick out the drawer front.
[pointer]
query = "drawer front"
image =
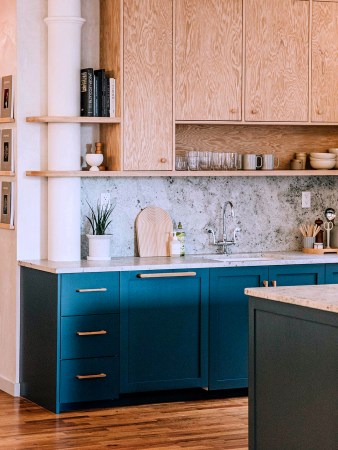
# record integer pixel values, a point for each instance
(85, 380)
(89, 293)
(89, 336)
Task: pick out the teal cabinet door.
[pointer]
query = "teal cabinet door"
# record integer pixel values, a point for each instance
(228, 335)
(331, 275)
(164, 330)
(297, 275)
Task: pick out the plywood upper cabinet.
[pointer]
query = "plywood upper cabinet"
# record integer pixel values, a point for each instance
(325, 62)
(277, 54)
(148, 81)
(208, 59)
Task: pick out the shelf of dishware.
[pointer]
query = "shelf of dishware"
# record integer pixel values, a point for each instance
(6, 226)
(72, 119)
(180, 173)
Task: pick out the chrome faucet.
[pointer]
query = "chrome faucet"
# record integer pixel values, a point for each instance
(225, 242)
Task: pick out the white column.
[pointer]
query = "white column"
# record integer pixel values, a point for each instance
(64, 140)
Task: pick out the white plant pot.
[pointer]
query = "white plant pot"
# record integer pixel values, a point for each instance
(99, 247)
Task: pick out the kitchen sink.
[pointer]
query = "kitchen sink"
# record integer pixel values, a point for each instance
(240, 257)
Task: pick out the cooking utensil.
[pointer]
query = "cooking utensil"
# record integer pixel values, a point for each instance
(154, 228)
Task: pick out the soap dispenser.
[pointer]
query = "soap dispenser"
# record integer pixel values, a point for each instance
(175, 246)
(180, 233)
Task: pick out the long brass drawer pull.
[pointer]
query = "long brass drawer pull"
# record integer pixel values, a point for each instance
(92, 290)
(94, 375)
(166, 275)
(90, 333)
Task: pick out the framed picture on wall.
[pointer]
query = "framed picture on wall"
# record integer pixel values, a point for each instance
(7, 103)
(7, 160)
(7, 212)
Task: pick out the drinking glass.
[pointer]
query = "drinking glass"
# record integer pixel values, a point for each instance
(204, 160)
(193, 160)
(230, 161)
(181, 162)
(217, 160)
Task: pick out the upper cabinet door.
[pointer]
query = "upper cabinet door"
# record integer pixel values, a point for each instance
(277, 55)
(325, 62)
(208, 59)
(148, 81)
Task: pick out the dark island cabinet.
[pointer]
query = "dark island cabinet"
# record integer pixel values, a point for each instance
(228, 329)
(164, 330)
(69, 338)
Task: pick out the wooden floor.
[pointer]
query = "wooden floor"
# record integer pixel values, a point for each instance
(199, 425)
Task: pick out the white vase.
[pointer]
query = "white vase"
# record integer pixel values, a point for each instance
(99, 247)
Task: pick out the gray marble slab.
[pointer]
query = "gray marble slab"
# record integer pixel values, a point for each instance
(324, 296)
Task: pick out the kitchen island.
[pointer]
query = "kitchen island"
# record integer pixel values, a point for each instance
(293, 367)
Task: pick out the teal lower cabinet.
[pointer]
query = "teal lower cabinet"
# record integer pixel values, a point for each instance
(69, 338)
(294, 275)
(228, 337)
(331, 274)
(164, 330)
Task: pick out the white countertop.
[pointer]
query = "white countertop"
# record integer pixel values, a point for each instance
(321, 296)
(186, 262)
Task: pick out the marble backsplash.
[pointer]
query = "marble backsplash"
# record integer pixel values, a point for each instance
(267, 209)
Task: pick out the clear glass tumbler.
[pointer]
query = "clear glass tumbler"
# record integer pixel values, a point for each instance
(193, 160)
(204, 160)
(230, 161)
(181, 162)
(217, 160)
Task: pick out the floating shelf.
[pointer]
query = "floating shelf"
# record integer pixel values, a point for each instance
(243, 122)
(6, 173)
(168, 173)
(6, 120)
(6, 226)
(72, 119)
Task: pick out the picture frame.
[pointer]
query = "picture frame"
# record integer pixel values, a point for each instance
(7, 210)
(7, 97)
(6, 159)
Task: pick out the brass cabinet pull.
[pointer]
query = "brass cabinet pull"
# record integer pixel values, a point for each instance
(265, 283)
(94, 375)
(92, 290)
(90, 333)
(234, 110)
(254, 111)
(274, 283)
(166, 275)
(163, 160)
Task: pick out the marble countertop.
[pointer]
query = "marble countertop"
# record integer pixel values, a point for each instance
(322, 296)
(186, 262)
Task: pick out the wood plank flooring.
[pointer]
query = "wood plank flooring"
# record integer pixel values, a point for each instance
(198, 425)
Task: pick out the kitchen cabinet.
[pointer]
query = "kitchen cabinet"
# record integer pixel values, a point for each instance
(228, 332)
(276, 60)
(208, 59)
(148, 84)
(69, 338)
(331, 274)
(324, 62)
(164, 330)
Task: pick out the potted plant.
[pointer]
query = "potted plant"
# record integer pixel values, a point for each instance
(99, 242)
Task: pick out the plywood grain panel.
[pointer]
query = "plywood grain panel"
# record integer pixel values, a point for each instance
(110, 59)
(325, 62)
(148, 81)
(283, 141)
(277, 53)
(208, 59)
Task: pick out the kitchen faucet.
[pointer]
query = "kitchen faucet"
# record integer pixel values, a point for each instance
(225, 242)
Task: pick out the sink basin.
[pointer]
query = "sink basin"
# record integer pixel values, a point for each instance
(241, 257)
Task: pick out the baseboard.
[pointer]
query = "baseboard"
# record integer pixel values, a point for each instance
(9, 387)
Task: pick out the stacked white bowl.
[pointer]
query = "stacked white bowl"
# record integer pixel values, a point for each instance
(335, 152)
(323, 160)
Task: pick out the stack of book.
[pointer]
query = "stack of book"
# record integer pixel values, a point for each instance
(97, 93)
(7, 97)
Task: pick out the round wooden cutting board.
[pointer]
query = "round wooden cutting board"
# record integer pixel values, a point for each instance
(153, 230)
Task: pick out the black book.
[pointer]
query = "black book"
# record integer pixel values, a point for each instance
(87, 92)
(99, 83)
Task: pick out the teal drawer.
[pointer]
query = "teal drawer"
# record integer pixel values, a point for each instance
(84, 380)
(89, 336)
(89, 293)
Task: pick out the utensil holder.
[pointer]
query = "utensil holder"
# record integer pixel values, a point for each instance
(308, 242)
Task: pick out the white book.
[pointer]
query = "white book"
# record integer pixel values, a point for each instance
(112, 97)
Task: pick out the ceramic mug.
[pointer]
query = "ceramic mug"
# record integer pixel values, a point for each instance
(252, 162)
(296, 164)
(270, 162)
